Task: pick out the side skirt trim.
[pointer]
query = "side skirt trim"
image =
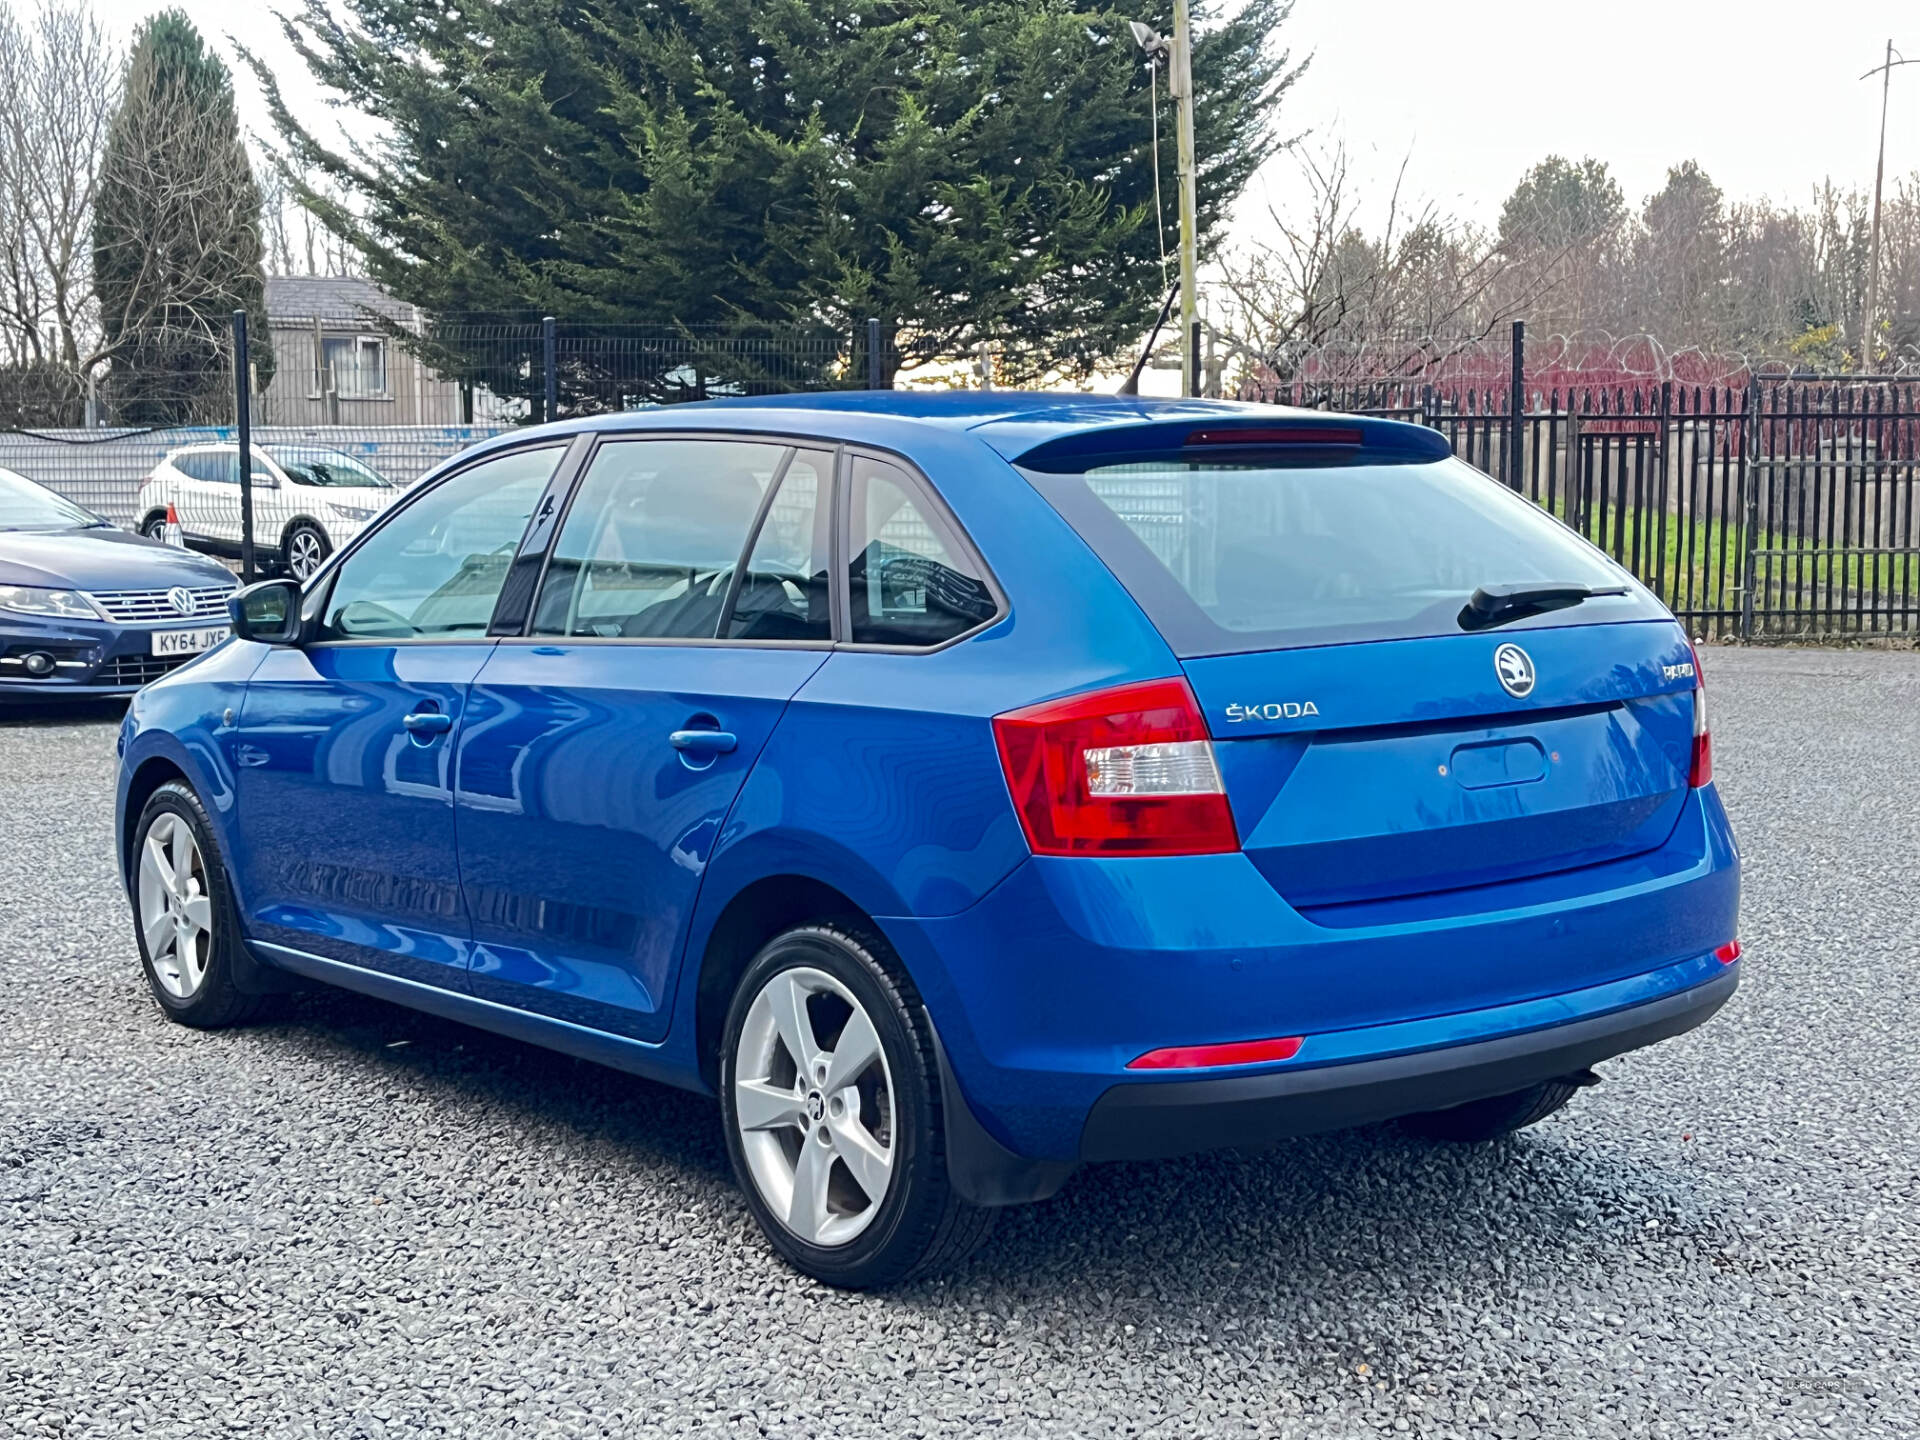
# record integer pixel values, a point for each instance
(636, 1057)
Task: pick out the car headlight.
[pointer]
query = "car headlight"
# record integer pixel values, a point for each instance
(351, 512)
(63, 604)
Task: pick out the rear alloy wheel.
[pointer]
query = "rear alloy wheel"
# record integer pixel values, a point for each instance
(831, 1102)
(1491, 1118)
(183, 913)
(304, 550)
(815, 1123)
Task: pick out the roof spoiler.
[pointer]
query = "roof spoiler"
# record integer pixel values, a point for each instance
(1306, 440)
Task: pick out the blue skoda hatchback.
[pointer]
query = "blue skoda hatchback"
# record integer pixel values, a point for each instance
(962, 788)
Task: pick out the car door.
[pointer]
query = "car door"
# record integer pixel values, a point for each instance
(603, 749)
(204, 497)
(343, 826)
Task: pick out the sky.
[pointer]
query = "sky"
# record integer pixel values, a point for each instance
(1470, 93)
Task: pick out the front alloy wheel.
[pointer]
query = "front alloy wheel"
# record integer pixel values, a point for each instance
(176, 915)
(184, 920)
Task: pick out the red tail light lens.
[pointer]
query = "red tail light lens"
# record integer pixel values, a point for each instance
(1729, 952)
(1127, 771)
(1702, 737)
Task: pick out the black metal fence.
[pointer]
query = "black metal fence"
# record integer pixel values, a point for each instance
(492, 371)
(1781, 509)
(1777, 508)
(363, 391)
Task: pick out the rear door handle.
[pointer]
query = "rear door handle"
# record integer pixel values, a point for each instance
(704, 742)
(429, 722)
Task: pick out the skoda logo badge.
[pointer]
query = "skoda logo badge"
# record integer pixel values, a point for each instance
(181, 599)
(1515, 669)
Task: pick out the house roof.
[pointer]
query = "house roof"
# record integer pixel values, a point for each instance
(331, 297)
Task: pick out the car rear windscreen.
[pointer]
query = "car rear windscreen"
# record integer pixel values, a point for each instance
(1226, 556)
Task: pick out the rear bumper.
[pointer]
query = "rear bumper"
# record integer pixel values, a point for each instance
(1045, 990)
(1141, 1122)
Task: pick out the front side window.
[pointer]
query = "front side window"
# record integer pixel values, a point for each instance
(435, 567)
(653, 537)
(230, 469)
(910, 579)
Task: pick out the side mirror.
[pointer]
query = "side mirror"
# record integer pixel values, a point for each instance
(268, 612)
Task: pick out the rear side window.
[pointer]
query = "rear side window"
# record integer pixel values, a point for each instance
(910, 578)
(208, 466)
(782, 594)
(1228, 557)
(653, 537)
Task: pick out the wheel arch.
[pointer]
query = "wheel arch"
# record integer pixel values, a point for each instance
(300, 518)
(149, 776)
(755, 914)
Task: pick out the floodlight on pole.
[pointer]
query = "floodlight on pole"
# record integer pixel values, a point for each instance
(1148, 39)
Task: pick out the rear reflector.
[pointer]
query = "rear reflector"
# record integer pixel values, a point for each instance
(1127, 771)
(1729, 952)
(1293, 435)
(1201, 1057)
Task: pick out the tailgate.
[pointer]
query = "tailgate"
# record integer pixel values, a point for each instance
(1391, 768)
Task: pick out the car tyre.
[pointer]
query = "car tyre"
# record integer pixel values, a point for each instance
(304, 549)
(154, 527)
(809, 1152)
(1489, 1119)
(185, 921)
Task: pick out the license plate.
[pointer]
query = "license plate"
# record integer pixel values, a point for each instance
(187, 642)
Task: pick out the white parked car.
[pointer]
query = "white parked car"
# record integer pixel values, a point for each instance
(307, 501)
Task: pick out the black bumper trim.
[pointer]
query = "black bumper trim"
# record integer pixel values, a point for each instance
(1153, 1121)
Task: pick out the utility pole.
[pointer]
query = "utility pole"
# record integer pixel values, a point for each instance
(1180, 87)
(1178, 53)
(1869, 318)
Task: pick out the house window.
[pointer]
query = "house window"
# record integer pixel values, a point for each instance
(354, 366)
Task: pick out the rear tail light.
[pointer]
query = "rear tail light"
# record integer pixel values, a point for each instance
(1127, 771)
(1729, 952)
(1702, 772)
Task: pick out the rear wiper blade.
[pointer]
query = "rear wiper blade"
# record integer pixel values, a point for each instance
(1493, 605)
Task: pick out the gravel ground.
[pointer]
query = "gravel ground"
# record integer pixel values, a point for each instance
(357, 1221)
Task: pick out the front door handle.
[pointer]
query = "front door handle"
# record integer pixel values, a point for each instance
(429, 722)
(703, 742)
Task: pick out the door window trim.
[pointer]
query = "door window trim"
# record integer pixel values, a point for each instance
(564, 486)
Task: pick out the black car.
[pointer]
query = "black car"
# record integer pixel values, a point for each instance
(90, 610)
